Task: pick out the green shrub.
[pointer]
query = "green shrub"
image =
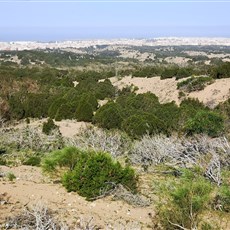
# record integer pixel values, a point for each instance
(52, 111)
(48, 126)
(207, 122)
(224, 109)
(64, 112)
(17, 108)
(188, 109)
(169, 72)
(109, 116)
(27, 120)
(186, 200)
(195, 83)
(144, 102)
(105, 89)
(140, 124)
(193, 104)
(181, 94)
(89, 98)
(37, 105)
(95, 173)
(183, 72)
(2, 161)
(10, 176)
(169, 114)
(221, 71)
(84, 111)
(3, 150)
(223, 198)
(67, 157)
(33, 161)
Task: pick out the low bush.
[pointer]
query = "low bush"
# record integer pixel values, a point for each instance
(139, 125)
(169, 72)
(67, 157)
(221, 71)
(223, 198)
(186, 200)
(194, 83)
(11, 176)
(48, 126)
(84, 112)
(2, 161)
(95, 173)
(109, 116)
(33, 161)
(52, 111)
(64, 112)
(208, 122)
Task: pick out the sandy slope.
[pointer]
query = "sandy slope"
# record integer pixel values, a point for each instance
(213, 94)
(68, 128)
(32, 187)
(167, 91)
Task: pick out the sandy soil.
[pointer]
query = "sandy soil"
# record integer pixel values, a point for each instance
(215, 93)
(31, 187)
(164, 89)
(167, 91)
(68, 128)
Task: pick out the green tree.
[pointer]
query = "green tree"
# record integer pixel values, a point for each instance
(109, 116)
(140, 124)
(221, 71)
(64, 112)
(169, 114)
(84, 111)
(55, 106)
(208, 122)
(105, 89)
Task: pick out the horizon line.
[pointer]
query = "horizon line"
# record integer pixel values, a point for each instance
(114, 1)
(121, 38)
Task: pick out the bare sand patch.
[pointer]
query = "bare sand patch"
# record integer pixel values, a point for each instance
(32, 187)
(167, 90)
(69, 128)
(215, 93)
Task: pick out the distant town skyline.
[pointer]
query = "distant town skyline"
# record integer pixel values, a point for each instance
(70, 20)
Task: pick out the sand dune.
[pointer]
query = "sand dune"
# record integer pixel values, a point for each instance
(167, 90)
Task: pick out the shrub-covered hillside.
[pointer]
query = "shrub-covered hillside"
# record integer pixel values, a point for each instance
(167, 161)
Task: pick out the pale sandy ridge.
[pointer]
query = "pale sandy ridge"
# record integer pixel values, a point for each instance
(167, 90)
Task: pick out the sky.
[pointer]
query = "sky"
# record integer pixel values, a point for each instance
(51, 20)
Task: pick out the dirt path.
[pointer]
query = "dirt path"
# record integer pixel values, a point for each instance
(31, 187)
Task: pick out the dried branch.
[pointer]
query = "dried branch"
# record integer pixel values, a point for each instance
(184, 152)
(39, 217)
(31, 138)
(100, 140)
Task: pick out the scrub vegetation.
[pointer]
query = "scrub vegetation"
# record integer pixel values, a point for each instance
(182, 148)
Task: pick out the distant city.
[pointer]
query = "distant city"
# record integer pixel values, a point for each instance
(163, 41)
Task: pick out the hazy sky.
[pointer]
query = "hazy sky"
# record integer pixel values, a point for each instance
(63, 20)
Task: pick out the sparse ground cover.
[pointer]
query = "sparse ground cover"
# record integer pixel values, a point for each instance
(159, 163)
(143, 161)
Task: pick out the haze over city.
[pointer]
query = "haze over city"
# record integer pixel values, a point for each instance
(70, 20)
